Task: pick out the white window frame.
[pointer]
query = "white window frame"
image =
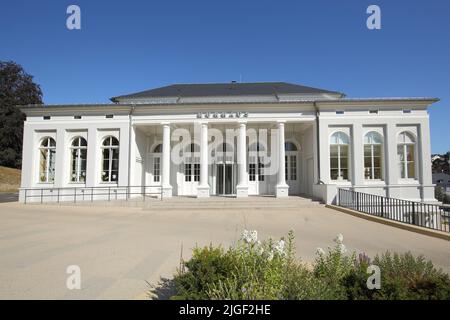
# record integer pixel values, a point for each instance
(339, 168)
(77, 170)
(405, 162)
(48, 150)
(372, 145)
(110, 159)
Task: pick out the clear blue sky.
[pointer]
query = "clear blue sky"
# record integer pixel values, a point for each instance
(127, 46)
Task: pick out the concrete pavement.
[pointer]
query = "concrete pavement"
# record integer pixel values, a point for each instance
(120, 248)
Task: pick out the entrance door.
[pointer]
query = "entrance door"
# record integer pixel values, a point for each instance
(191, 179)
(225, 181)
(257, 184)
(291, 172)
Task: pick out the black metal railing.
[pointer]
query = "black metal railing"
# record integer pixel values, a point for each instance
(421, 214)
(100, 193)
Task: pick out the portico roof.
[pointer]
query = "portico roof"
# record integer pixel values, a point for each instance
(227, 92)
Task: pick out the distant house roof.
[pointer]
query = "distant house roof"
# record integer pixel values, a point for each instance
(225, 91)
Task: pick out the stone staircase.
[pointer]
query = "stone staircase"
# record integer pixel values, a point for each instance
(229, 203)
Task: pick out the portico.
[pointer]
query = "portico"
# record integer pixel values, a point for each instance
(224, 157)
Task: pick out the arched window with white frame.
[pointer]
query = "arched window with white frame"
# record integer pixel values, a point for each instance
(78, 152)
(406, 146)
(47, 151)
(110, 159)
(373, 156)
(339, 156)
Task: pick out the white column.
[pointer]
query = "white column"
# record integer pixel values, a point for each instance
(93, 158)
(203, 188)
(61, 176)
(392, 173)
(166, 187)
(424, 162)
(282, 189)
(242, 186)
(357, 155)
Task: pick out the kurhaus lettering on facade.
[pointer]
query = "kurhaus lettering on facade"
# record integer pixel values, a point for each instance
(290, 140)
(222, 115)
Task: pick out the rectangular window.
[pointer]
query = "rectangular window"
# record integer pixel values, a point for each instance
(251, 172)
(157, 169)
(260, 170)
(286, 168)
(293, 168)
(47, 117)
(197, 172)
(187, 172)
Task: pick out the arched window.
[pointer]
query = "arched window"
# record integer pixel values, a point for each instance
(373, 145)
(47, 160)
(110, 163)
(290, 146)
(339, 152)
(406, 155)
(78, 151)
(158, 148)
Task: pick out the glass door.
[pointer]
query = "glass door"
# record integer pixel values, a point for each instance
(225, 179)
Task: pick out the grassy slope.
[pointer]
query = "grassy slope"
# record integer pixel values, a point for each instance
(9, 179)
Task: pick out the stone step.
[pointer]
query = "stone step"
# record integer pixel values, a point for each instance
(218, 203)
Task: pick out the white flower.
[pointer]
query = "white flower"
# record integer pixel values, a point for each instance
(320, 251)
(270, 256)
(250, 236)
(339, 238)
(279, 247)
(342, 248)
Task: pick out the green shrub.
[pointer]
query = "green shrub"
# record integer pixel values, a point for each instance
(254, 270)
(403, 277)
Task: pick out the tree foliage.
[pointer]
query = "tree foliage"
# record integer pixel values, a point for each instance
(16, 88)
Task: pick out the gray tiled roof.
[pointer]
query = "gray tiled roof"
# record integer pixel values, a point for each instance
(225, 90)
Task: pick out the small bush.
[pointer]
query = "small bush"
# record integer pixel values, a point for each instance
(254, 270)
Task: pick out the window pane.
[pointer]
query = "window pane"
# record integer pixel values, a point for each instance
(411, 170)
(334, 163)
(377, 162)
(114, 175)
(377, 172)
(344, 163)
(344, 151)
(252, 171)
(43, 166)
(334, 174)
(51, 169)
(333, 151)
(344, 174)
(187, 172)
(410, 152)
(367, 162)
(400, 153)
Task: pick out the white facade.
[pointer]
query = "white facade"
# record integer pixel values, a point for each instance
(229, 148)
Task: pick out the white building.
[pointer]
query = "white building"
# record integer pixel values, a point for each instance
(226, 139)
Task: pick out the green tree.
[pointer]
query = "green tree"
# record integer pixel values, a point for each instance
(16, 88)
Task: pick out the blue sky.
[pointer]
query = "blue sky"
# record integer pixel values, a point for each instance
(127, 46)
